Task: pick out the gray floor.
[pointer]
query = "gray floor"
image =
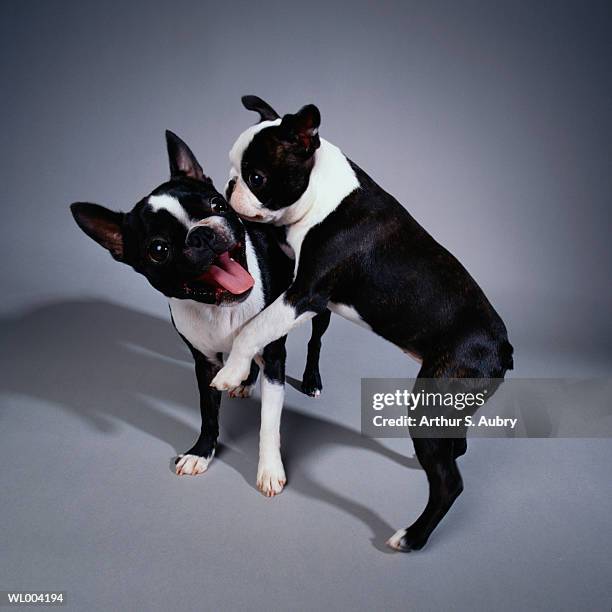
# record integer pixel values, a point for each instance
(489, 121)
(97, 399)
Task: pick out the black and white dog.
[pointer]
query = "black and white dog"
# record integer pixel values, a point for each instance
(359, 253)
(218, 273)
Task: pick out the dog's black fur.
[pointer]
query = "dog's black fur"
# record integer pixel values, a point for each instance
(369, 253)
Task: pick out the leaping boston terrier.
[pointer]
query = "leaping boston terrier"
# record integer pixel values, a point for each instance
(218, 272)
(360, 253)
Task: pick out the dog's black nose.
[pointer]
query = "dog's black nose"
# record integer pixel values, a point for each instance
(202, 237)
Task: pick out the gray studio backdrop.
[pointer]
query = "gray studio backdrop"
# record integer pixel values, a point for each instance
(489, 121)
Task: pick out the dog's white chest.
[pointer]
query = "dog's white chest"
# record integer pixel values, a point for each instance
(211, 329)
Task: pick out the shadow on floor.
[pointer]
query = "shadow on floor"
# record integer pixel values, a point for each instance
(105, 364)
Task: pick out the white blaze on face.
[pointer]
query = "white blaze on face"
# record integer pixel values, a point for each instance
(173, 206)
(243, 200)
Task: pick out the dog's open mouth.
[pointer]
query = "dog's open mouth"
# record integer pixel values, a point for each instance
(227, 274)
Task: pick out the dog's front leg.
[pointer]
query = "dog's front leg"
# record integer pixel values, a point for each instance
(277, 320)
(311, 379)
(197, 459)
(270, 471)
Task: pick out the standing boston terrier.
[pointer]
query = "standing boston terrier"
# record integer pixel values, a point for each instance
(359, 253)
(218, 273)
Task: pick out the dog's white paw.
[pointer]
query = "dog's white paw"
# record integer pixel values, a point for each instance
(231, 375)
(192, 465)
(242, 391)
(395, 541)
(271, 478)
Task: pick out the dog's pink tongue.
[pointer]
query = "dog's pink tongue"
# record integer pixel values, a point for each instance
(230, 275)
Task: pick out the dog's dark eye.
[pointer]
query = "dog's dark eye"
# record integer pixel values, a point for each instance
(159, 251)
(256, 180)
(218, 205)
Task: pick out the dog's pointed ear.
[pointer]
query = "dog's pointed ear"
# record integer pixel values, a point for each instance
(303, 128)
(266, 112)
(102, 225)
(182, 161)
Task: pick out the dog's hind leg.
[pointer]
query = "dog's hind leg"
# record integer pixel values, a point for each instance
(479, 362)
(311, 379)
(459, 447)
(436, 456)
